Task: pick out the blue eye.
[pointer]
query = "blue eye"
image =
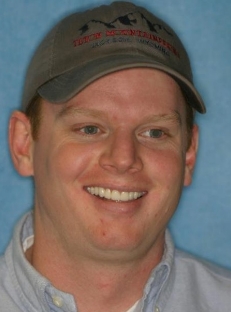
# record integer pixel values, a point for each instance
(90, 130)
(155, 133)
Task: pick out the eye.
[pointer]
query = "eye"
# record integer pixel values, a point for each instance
(154, 133)
(90, 130)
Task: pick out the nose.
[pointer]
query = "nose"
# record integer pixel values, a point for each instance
(121, 154)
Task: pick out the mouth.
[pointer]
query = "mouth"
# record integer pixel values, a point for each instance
(114, 195)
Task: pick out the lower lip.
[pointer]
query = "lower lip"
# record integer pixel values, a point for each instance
(118, 207)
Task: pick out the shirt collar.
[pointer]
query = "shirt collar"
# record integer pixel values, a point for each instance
(35, 291)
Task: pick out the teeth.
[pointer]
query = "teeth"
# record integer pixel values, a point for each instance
(114, 194)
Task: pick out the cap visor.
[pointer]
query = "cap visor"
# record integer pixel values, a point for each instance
(65, 86)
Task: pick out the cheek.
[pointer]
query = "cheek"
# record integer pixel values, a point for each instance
(72, 160)
(60, 165)
(167, 174)
(166, 165)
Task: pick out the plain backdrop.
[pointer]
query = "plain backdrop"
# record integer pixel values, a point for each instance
(202, 224)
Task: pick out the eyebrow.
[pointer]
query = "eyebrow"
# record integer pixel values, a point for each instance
(73, 111)
(172, 117)
(67, 111)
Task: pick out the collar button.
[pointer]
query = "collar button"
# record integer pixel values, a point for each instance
(58, 302)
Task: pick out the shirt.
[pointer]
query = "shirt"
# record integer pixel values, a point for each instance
(179, 283)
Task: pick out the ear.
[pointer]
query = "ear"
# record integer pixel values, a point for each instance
(21, 143)
(190, 158)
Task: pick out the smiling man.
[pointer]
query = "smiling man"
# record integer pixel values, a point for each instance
(107, 132)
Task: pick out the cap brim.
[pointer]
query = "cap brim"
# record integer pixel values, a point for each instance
(65, 86)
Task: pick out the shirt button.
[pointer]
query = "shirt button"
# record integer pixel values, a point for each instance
(58, 302)
(157, 309)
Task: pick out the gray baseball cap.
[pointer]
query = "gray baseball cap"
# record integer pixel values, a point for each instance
(88, 45)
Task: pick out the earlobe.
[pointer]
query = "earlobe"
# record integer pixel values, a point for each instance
(190, 158)
(21, 143)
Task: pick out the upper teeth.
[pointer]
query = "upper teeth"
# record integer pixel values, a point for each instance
(114, 194)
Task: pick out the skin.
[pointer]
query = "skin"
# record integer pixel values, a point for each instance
(105, 245)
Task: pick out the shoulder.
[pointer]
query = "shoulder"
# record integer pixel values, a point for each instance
(200, 270)
(5, 275)
(204, 285)
(7, 292)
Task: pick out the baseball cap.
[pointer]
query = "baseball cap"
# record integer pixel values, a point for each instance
(87, 45)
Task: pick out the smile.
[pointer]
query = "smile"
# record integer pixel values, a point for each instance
(114, 194)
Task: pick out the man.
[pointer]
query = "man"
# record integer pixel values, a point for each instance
(107, 133)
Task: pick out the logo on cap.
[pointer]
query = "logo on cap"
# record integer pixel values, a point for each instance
(123, 29)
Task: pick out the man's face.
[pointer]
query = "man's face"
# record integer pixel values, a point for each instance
(110, 164)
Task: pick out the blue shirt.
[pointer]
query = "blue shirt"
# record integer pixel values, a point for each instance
(179, 283)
